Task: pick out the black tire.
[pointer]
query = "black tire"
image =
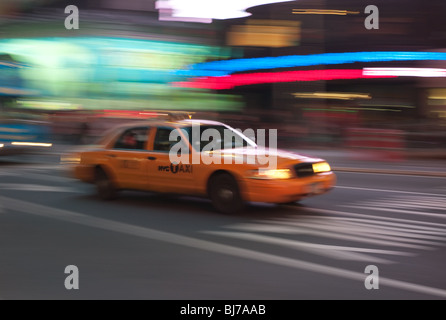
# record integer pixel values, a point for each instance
(105, 188)
(225, 194)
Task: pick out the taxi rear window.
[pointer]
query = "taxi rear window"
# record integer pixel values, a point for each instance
(133, 139)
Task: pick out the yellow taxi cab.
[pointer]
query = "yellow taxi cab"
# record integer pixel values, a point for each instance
(138, 156)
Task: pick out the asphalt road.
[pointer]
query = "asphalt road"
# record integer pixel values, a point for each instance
(143, 246)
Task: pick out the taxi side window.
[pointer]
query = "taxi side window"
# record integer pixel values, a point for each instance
(133, 139)
(162, 142)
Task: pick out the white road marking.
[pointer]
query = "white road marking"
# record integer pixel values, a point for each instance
(38, 176)
(356, 215)
(335, 252)
(327, 232)
(389, 191)
(398, 174)
(6, 173)
(36, 188)
(407, 204)
(410, 204)
(315, 225)
(34, 167)
(81, 219)
(426, 214)
(375, 232)
(442, 232)
(48, 177)
(415, 228)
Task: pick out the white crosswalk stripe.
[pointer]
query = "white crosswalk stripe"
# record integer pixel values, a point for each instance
(35, 187)
(374, 235)
(50, 173)
(418, 205)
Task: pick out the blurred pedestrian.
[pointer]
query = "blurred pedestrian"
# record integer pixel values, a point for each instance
(83, 133)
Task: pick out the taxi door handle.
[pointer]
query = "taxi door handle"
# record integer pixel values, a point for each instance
(151, 158)
(111, 155)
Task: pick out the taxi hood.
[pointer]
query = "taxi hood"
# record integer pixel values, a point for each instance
(264, 155)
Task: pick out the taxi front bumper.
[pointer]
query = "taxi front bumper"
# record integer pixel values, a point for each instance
(287, 190)
(83, 173)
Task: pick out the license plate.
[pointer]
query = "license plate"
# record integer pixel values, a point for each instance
(316, 188)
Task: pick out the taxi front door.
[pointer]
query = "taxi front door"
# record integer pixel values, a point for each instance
(164, 175)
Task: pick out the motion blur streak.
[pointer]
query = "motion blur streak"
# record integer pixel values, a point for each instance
(32, 144)
(229, 82)
(318, 11)
(221, 68)
(405, 72)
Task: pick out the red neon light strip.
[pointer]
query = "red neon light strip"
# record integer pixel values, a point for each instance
(231, 81)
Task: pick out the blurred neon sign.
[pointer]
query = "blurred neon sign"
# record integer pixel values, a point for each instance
(406, 72)
(205, 11)
(225, 67)
(229, 82)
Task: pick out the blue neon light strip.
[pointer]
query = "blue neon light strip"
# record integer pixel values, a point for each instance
(226, 67)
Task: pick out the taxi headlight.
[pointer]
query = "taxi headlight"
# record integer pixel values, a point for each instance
(321, 167)
(270, 174)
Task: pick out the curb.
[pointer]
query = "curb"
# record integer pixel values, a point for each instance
(391, 171)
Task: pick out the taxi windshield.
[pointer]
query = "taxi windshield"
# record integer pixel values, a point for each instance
(216, 137)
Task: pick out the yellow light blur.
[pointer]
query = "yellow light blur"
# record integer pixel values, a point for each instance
(1, 145)
(318, 11)
(437, 97)
(321, 167)
(12, 130)
(333, 95)
(271, 174)
(32, 144)
(264, 33)
(70, 159)
(437, 94)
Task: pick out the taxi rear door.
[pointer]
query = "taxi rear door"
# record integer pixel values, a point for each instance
(127, 158)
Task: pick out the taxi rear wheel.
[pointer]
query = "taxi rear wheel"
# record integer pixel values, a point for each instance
(104, 185)
(225, 194)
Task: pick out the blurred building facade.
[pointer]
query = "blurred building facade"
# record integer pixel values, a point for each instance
(124, 57)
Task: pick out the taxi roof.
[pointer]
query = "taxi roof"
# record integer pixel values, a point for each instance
(172, 123)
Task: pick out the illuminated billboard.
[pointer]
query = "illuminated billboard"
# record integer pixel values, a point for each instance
(131, 73)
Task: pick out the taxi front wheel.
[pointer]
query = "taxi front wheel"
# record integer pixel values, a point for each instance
(225, 194)
(104, 186)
